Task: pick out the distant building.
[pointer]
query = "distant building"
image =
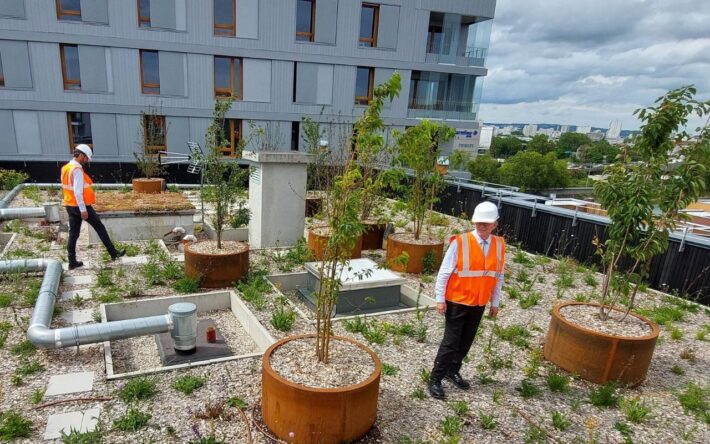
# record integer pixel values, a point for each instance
(596, 136)
(529, 130)
(584, 129)
(614, 131)
(564, 128)
(484, 143)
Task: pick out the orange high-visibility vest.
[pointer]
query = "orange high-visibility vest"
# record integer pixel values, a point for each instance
(68, 186)
(475, 277)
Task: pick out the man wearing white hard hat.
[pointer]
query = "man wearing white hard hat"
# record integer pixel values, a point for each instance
(471, 276)
(78, 200)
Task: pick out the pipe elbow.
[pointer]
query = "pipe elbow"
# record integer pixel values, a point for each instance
(41, 336)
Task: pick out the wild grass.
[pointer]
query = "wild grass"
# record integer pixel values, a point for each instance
(694, 399)
(187, 384)
(635, 410)
(605, 395)
(14, 426)
(132, 421)
(138, 389)
(560, 421)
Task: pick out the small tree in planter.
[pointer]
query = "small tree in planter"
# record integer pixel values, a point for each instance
(644, 201)
(221, 263)
(151, 134)
(418, 151)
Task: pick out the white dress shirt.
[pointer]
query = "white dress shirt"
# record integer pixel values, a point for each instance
(78, 179)
(448, 265)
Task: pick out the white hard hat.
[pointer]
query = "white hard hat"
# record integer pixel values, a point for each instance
(86, 149)
(485, 212)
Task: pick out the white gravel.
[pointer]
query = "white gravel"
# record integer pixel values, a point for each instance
(210, 247)
(617, 324)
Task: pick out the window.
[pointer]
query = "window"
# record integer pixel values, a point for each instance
(154, 133)
(305, 20)
(143, 13)
(364, 83)
(369, 21)
(150, 72)
(70, 66)
(225, 18)
(295, 133)
(228, 77)
(68, 9)
(233, 135)
(79, 125)
(435, 36)
(2, 74)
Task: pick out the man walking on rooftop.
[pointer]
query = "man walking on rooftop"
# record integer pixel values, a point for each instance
(470, 276)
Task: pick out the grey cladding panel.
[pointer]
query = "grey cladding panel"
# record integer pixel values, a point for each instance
(178, 134)
(388, 28)
(247, 19)
(172, 73)
(16, 64)
(162, 14)
(92, 65)
(306, 82)
(103, 132)
(326, 21)
(12, 8)
(8, 142)
(95, 11)
(257, 80)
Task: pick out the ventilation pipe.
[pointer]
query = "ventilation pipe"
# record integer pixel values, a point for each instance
(42, 336)
(49, 211)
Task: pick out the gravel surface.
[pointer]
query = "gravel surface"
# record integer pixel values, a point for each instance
(409, 238)
(210, 247)
(617, 324)
(348, 364)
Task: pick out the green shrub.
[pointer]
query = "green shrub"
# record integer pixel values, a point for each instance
(138, 389)
(187, 384)
(663, 314)
(173, 270)
(13, 426)
(187, 285)
(635, 410)
(527, 389)
(283, 317)
(605, 395)
(152, 273)
(9, 179)
(591, 280)
(132, 421)
(104, 278)
(429, 262)
(488, 421)
(355, 325)
(130, 249)
(460, 408)
(240, 218)
(530, 300)
(451, 426)
(560, 421)
(254, 288)
(557, 382)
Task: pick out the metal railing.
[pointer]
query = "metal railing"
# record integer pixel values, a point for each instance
(473, 56)
(443, 109)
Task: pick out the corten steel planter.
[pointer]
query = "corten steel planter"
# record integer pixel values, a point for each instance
(318, 415)
(398, 244)
(148, 186)
(373, 236)
(313, 205)
(599, 357)
(216, 270)
(318, 242)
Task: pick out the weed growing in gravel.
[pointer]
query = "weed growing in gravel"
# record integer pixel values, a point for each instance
(29, 368)
(535, 435)
(30, 292)
(488, 421)
(13, 426)
(522, 258)
(677, 370)
(408, 440)
(513, 292)
(37, 396)
(23, 349)
(76, 437)
(152, 248)
(173, 270)
(355, 325)
(527, 389)
(694, 399)
(6, 299)
(104, 278)
(254, 288)
(582, 297)
(5, 328)
(498, 395)
(138, 389)
(635, 410)
(132, 421)
(523, 276)
(530, 299)
(152, 273)
(460, 408)
(187, 384)
(237, 403)
(418, 393)
(283, 316)
(451, 426)
(560, 421)
(675, 333)
(688, 354)
(605, 395)
(425, 375)
(516, 334)
(186, 285)
(389, 370)
(591, 280)
(214, 410)
(374, 333)
(532, 368)
(625, 430)
(130, 249)
(557, 382)
(663, 314)
(107, 296)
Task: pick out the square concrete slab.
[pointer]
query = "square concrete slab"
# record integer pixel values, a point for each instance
(70, 383)
(84, 279)
(134, 260)
(78, 316)
(81, 421)
(204, 351)
(69, 295)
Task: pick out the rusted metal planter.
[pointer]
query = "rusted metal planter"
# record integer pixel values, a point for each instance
(306, 415)
(317, 243)
(398, 244)
(148, 186)
(373, 236)
(595, 356)
(216, 270)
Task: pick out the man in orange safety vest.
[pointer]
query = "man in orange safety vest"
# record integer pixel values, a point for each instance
(78, 200)
(471, 275)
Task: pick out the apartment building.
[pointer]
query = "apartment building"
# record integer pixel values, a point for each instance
(84, 71)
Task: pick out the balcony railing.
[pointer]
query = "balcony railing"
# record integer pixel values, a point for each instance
(443, 110)
(472, 57)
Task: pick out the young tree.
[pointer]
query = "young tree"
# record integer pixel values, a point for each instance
(644, 199)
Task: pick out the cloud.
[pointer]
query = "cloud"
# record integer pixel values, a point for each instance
(590, 62)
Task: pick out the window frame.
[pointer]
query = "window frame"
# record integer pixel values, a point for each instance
(375, 26)
(68, 82)
(72, 144)
(365, 100)
(230, 92)
(141, 18)
(63, 13)
(232, 28)
(234, 124)
(312, 33)
(2, 74)
(148, 85)
(154, 150)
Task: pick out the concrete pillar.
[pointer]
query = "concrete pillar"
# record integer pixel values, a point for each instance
(277, 197)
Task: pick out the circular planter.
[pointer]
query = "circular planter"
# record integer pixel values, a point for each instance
(317, 243)
(595, 356)
(148, 186)
(216, 270)
(373, 236)
(398, 244)
(313, 205)
(299, 414)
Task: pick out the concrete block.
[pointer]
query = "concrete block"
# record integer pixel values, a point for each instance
(134, 260)
(128, 226)
(228, 234)
(85, 279)
(81, 421)
(84, 293)
(6, 240)
(70, 383)
(78, 316)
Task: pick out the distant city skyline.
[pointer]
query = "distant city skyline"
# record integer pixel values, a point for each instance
(587, 63)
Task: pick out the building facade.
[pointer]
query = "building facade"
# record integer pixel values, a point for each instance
(110, 72)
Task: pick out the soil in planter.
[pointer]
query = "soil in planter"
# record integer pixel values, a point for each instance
(347, 364)
(141, 203)
(587, 316)
(210, 247)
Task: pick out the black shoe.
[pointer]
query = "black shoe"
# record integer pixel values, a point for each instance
(436, 390)
(117, 254)
(458, 381)
(77, 264)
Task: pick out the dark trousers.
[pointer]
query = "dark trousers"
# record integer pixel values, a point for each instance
(461, 325)
(75, 227)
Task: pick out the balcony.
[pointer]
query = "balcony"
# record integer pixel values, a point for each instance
(472, 57)
(442, 110)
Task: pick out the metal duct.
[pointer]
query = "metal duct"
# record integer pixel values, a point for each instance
(41, 335)
(18, 213)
